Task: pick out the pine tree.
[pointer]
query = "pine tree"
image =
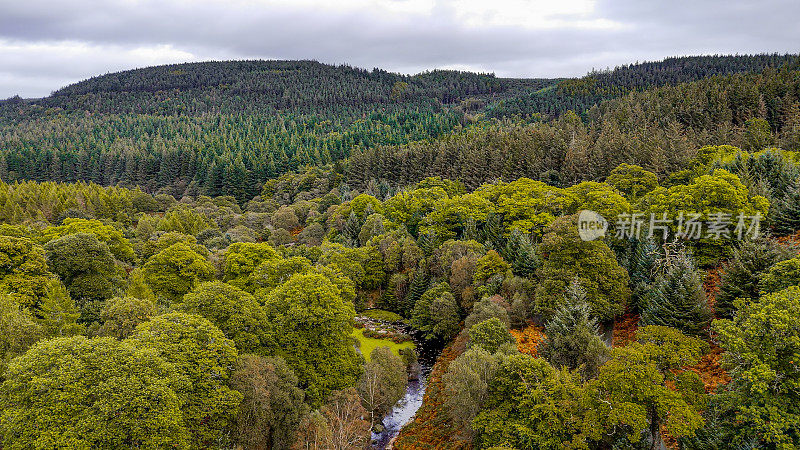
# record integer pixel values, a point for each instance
(640, 268)
(676, 299)
(742, 274)
(493, 233)
(521, 252)
(786, 212)
(572, 334)
(419, 284)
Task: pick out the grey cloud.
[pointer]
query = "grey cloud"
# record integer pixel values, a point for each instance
(645, 30)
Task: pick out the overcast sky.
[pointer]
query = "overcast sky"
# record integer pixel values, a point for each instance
(46, 44)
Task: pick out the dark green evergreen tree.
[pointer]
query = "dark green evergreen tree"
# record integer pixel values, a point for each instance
(676, 298)
(521, 252)
(419, 284)
(493, 233)
(742, 274)
(350, 230)
(785, 214)
(643, 255)
(572, 334)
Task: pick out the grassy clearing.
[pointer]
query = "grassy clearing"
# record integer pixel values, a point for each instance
(379, 314)
(369, 344)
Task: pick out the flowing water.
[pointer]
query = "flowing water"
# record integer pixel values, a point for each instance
(405, 409)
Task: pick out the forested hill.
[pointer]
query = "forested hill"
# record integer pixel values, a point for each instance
(223, 128)
(580, 94)
(273, 86)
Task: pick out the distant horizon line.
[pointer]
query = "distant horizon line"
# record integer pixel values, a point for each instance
(435, 69)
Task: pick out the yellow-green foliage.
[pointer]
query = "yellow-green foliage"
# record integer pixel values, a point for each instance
(707, 195)
(175, 271)
(310, 325)
(31, 201)
(195, 348)
(117, 243)
(631, 180)
(762, 344)
(23, 270)
(592, 263)
(368, 344)
(241, 260)
(55, 395)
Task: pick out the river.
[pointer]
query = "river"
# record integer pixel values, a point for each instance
(405, 409)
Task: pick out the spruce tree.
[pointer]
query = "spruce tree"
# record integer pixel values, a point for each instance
(521, 252)
(350, 230)
(428, 242)
(676, 298)
(640, 268)
(786, 213)
(493, 233)
(419, 284)
(742, 274)
(572, 334)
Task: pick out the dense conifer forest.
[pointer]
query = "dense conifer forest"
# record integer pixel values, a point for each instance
(249, 255)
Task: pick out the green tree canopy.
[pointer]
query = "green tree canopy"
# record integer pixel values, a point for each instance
(85, 265)
(233, 310)
(196, 349)
(490, 335)
(61, 390)
(241, 260)
(632, 180)
(18, 330)
(272, 405)
(781, 275)
(383, 382)
(120, 247)
(630, 396)
(714, 197)
(489, 265)
(23, 270)
(436, 313)
(466, 383)
(532, 405)
(121, 315)
(176, 270)
(762, 344)
(309, 325)
(566, 258)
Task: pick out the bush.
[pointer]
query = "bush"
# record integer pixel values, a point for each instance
(490, 335)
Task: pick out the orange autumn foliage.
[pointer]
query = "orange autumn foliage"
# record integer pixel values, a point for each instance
(528, 339)
(710, 370)
(791, 239)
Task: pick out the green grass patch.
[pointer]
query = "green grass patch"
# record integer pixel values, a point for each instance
(380, 314)
(370, 344)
